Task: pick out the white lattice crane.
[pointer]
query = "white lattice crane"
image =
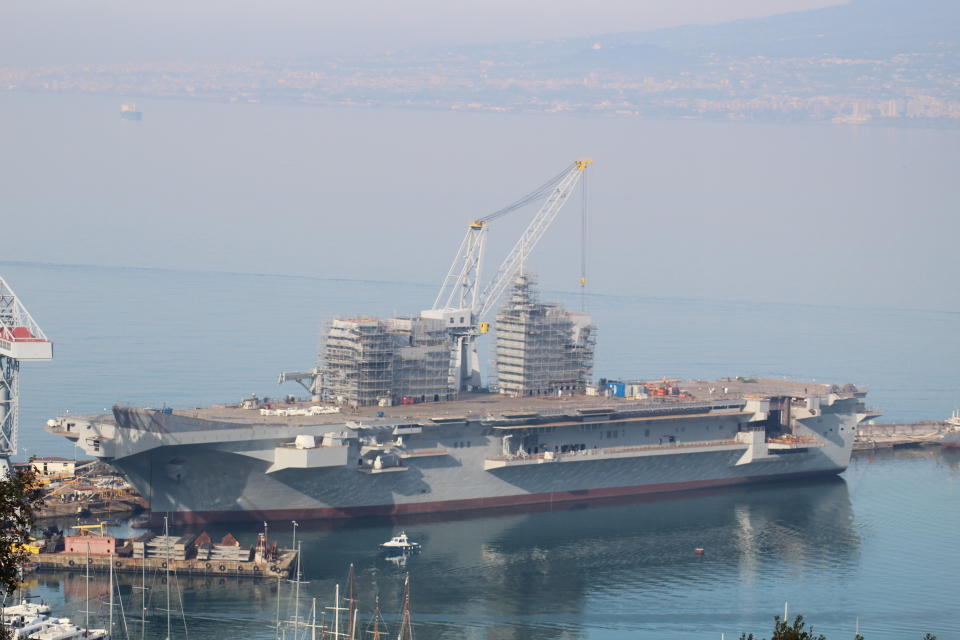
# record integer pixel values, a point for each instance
(21, 340)
(461, 304)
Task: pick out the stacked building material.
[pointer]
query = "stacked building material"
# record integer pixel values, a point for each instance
(229, 549)
(169, 547)
(203, 545)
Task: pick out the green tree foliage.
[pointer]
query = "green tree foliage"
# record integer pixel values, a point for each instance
(784, 631)
(20, 497)
(796, 631)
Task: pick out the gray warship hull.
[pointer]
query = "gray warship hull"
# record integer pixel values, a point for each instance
(208, 466)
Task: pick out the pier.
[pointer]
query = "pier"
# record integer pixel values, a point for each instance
(63, 561)
(92, 549)
(892, 435)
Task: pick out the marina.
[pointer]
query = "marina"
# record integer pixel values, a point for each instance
(552, 568)
(33, 621)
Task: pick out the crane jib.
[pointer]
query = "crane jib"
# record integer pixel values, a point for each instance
(461, 304)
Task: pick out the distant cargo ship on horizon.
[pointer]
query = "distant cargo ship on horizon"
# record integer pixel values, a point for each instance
(130, 112)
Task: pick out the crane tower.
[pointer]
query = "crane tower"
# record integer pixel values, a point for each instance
(21, 340)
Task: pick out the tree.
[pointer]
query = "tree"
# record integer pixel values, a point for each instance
(20, 497)
(783, 631)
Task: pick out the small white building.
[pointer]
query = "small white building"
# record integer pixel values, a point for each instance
(53, 466)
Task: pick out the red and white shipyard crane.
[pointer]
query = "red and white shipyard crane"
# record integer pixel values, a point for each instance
(21, 340)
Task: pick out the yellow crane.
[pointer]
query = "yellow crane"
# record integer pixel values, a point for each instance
(98, 529)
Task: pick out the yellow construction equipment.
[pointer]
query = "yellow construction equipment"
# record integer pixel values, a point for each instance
(29, 547)
(99, 529)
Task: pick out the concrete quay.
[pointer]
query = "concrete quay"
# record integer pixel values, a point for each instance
(904, 434)
(62, 561)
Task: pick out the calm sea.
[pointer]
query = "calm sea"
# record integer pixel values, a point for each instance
(876, 543)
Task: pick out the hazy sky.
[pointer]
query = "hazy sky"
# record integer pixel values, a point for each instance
(818, 213)
(807, 213)
(60, 31)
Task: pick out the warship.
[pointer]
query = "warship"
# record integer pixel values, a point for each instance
(483, 450)
(398, 422)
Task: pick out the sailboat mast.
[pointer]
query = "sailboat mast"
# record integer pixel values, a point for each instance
(87, 590)
(110, 570)
(143, 597)
(166, 535)
(296, 600)
(377, 619)
(336, 615)
(276, 633)
(352, 609)
(406, 627)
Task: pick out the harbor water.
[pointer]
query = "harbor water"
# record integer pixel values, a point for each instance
(875, 543)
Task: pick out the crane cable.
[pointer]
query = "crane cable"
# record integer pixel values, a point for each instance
(534, 195)
(583, 243)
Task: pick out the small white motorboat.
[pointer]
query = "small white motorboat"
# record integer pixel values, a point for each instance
(400, 544)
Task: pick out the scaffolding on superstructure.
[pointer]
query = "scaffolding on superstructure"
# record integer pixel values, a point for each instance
(359, 361)
(421, 361)
(541, 349)
(369, 361)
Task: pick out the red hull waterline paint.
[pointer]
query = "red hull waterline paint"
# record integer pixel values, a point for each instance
(557, 497)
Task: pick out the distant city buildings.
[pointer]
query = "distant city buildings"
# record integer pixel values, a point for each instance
(905, 88)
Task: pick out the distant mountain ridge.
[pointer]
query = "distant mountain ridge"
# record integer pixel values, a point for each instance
(888, 62)
(865, 28)
(860, 29)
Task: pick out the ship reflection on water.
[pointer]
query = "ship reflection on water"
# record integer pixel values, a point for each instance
(627, 565)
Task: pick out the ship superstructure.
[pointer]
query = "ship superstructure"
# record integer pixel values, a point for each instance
(951, 436)
(542, 349)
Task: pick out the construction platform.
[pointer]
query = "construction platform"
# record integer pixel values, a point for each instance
(62, 561)
(897, 435)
